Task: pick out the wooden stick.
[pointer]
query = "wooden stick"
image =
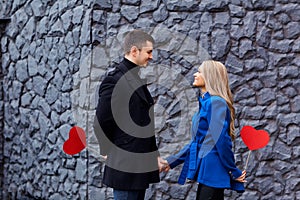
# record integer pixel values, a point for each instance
(247, 159)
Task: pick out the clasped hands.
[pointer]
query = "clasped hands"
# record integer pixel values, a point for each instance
(163, 165)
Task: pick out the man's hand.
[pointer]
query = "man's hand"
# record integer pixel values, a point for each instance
(103, 158)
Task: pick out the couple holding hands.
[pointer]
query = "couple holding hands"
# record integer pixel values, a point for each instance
(124, 127)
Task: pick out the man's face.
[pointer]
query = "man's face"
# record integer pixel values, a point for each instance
(144, 55)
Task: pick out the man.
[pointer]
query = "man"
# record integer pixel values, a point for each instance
(124, 125)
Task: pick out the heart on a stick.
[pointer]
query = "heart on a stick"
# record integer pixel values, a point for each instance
(254, 139)
(76, 141)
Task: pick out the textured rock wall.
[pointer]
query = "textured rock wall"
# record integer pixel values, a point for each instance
(42, 49)
(55, 52)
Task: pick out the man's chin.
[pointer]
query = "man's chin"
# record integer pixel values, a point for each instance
(144, 65)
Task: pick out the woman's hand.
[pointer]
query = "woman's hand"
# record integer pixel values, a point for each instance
(242, 177)
(163, 165)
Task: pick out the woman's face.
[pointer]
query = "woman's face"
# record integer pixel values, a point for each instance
(198, 79)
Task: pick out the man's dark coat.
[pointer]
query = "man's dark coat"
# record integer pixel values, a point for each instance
(124, 113)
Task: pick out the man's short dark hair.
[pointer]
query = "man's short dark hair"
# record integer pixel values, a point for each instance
(136, 38)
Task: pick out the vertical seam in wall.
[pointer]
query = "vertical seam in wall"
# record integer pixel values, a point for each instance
(1, 123)
(87, 122)
(3, 23)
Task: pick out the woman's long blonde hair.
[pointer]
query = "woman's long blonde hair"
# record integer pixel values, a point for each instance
(216, 83)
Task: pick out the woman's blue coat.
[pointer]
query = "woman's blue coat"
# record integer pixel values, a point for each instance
(209, 159)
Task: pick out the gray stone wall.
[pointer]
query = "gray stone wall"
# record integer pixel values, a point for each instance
(55, 53)
(42, 49)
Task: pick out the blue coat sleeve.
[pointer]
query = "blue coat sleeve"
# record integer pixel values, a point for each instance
(219, 126)
(179, 158)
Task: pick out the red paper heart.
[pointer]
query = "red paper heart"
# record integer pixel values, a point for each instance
(254, 139)
(76, 141)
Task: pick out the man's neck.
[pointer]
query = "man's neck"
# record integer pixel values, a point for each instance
(128, 57)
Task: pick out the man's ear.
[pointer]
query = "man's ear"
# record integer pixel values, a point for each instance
(134, 50)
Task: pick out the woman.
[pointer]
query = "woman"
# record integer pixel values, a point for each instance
(209, 159)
